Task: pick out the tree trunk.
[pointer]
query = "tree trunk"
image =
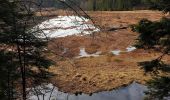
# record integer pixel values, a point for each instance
(22, 69)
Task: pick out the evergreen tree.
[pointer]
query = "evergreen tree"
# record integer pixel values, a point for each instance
(21, 49)
(156, 35)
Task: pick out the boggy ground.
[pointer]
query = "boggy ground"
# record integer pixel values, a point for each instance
(106, 72)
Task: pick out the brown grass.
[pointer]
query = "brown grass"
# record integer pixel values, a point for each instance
(107, 71)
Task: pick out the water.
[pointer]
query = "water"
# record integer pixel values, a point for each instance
(134, 91)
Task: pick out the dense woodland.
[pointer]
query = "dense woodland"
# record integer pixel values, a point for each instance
(115, 4)
(103, 4)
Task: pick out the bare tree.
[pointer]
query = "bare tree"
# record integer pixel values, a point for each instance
(24, 48)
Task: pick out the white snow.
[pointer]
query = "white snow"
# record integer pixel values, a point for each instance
(130, 48)
(63, 26)
(83, 53)
(116, 52)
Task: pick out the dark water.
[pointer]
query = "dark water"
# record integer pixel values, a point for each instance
(134, 91)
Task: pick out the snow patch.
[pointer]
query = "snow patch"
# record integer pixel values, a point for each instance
(63, 26)
(130, 48)
(116, 52)
(83, 53)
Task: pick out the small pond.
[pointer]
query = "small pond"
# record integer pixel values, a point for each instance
(134, 91)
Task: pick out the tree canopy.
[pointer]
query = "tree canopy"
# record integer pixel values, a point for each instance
(156, 35)
(20, 50)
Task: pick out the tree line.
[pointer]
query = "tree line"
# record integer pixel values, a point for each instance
(100, 5)
(115, 4)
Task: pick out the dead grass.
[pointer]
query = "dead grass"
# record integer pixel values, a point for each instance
(94, 74)
(107, 71)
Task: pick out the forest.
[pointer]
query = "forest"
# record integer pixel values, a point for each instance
(115, 4)
(108, 5)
